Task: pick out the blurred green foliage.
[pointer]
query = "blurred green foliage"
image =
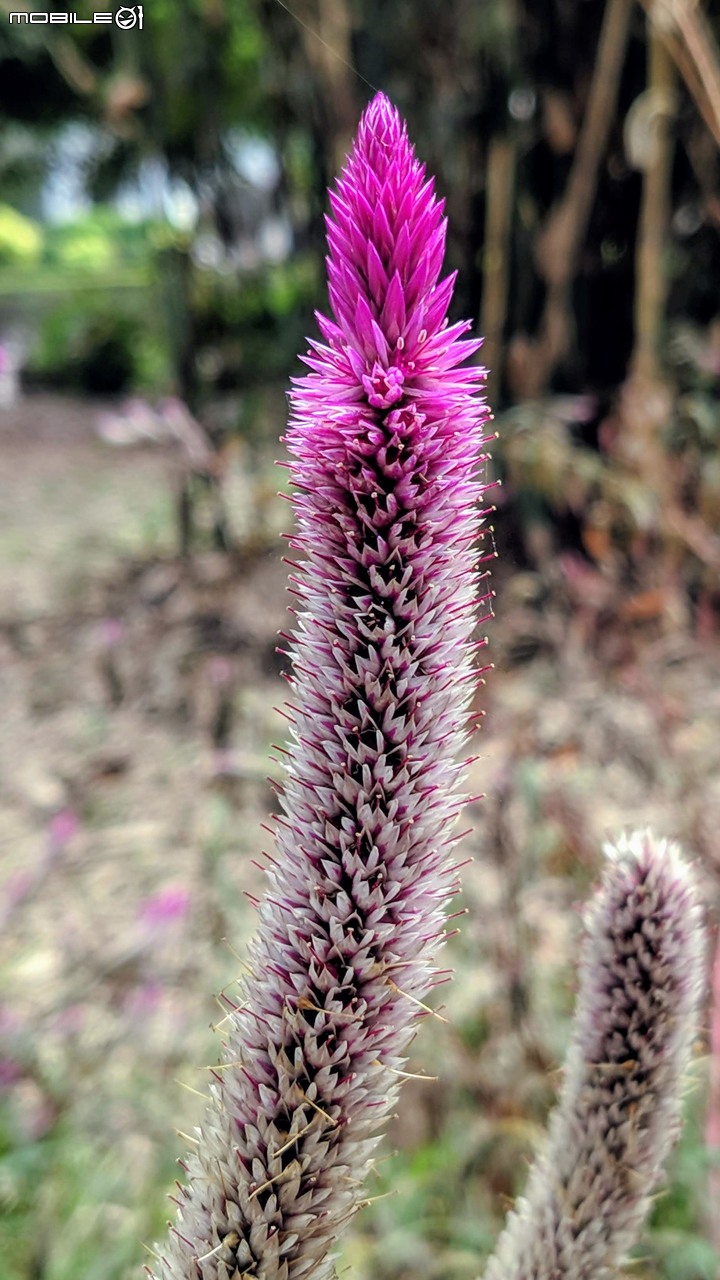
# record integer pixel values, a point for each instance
(59, 1194)
(250, 329)
(99, 241)
(103, 343)
(20, 238)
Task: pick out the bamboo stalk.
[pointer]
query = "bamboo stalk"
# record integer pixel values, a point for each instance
(651, 281)
(646, 398)
(496, 258)
(684, 29)
(327, 37)
(563, 235)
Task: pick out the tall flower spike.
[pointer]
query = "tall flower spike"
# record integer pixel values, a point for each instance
(619, 1111)
(386, 440)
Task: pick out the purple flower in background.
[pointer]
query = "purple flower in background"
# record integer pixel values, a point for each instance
(11, 1028)
(165, 908)
(110, 632)
(386, 442)
(63, 826)
(10, 1073)
(641, 980)
(144, 1001)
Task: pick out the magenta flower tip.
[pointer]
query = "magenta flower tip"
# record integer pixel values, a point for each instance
(381, 126)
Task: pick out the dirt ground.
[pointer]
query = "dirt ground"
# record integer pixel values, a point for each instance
(138, 693)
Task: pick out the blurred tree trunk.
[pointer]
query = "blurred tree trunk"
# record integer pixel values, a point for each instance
(561, 239)
(337, 62)
(175, 265)
(326, 32)
(501, 163)
(647, 397)
(651, 269)
(314, 84)
(688, 37)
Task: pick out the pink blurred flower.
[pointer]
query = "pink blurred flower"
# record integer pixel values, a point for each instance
(110, 632)
(165, 908)
(143, 1001)
(10, 1072)
(62, 827)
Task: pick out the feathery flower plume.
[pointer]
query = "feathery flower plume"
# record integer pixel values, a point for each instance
(386, 438)
(619, 1111)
